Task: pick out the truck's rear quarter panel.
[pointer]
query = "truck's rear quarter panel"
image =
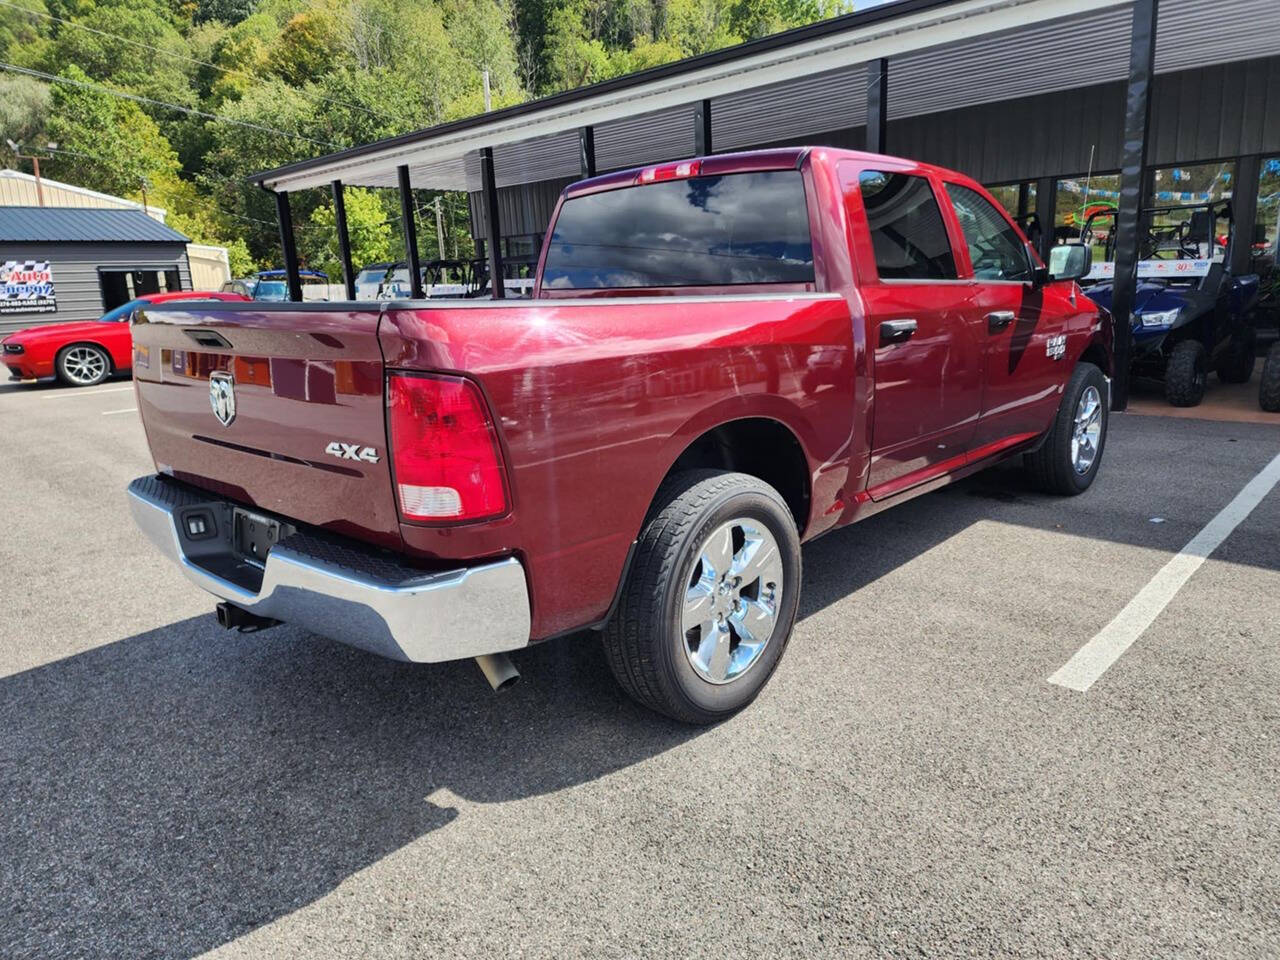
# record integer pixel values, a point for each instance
(595, 400)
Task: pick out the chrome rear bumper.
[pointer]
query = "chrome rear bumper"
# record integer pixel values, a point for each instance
(339, 589)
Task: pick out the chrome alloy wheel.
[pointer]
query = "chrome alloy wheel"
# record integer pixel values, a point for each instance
(1086, 432)
(731, 603)
(84, 365)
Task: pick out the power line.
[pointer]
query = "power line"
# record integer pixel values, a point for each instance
(161, 103)
(202, 63)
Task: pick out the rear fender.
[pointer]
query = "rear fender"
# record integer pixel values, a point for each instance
(826, 475)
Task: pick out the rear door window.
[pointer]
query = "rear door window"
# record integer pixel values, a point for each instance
(907, 232)
(745, 228)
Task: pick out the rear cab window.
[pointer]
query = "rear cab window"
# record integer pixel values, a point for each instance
(908, 235)
(737, 229)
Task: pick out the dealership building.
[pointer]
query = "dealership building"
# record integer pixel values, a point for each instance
(1057, 105)
(69, 253)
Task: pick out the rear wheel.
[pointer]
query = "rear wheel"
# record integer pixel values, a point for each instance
(1269, 391)
(710, 599)
(1071, 454)
(1236, 364)
(83, 365)
(1186, 374)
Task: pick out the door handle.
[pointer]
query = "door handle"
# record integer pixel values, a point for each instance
(999, 319)
(896, 331)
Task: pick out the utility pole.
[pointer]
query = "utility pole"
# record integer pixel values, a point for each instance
(488, 103)
(439, 228)
(35, 167)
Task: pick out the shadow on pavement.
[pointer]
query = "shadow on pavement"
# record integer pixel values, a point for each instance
(165, 794)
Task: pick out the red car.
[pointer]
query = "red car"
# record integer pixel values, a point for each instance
(724, 357)
(84, 352)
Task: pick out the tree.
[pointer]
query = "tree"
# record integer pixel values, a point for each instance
(22, 36)
(160, 75)
(226, 11)
(107, 144)
(303, 51)
(24, 107)
(367, 226)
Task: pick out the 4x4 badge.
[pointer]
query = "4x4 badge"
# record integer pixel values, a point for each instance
(222, 396)
(351, 451)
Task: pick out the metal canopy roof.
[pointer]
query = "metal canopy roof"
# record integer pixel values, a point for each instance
(943, 54)
(82, 225)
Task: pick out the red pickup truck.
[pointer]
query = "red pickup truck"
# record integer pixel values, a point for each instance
(723, 358)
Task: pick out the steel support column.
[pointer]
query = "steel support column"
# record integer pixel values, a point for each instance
(1046, 210)
(1024, 201)
(878, 105)
(1244, 208)
(344, 239)
(702, 146)
(288, 246)
(587, 151)
(409, 225)
(493, 238)
(1133, 176)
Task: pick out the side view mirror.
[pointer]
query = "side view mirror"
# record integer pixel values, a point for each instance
(1070, 261)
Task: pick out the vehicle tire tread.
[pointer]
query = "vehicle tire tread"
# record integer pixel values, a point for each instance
(679, 505)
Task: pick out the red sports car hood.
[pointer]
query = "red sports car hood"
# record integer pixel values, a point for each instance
(57, 331)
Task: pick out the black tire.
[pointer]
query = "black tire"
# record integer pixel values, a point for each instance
(1053, 466)
(1269, 389)
(82, 365)
(1186, 374)
(1236, 363)
(645, 643)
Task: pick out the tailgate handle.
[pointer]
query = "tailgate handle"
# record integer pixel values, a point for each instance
(999, 319)
(208, 338)
(896, 331)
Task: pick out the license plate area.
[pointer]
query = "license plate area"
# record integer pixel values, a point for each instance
(253, 535)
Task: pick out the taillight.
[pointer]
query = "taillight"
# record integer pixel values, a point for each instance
(444, 450)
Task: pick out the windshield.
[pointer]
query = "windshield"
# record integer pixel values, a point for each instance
(121, 313)
(271, 290)
(706, 231)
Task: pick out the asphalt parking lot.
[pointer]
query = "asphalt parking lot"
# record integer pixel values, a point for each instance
(909, 784)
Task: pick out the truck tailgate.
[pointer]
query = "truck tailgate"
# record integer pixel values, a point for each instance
(277, 406)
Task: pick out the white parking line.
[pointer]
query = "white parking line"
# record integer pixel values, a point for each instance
(74, 394)
(107, 413)
(1093, 659)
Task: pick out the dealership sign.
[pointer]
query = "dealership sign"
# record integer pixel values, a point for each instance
(26, 286)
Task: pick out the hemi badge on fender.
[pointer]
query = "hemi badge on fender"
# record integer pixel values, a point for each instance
(1056, 347)
(351, 451)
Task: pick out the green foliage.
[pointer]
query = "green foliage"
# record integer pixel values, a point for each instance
(224, 11)
(302, 77)
(24, 108)
(21, 41)
(368, 227)
(104, 143)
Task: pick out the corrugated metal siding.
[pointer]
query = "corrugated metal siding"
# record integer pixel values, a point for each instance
(209, 267)
(521, 209)
(75, 275)
(81, 225)
(1206, 113)
(18, 189)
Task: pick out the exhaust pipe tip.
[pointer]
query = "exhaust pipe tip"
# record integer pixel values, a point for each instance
(498, 670)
